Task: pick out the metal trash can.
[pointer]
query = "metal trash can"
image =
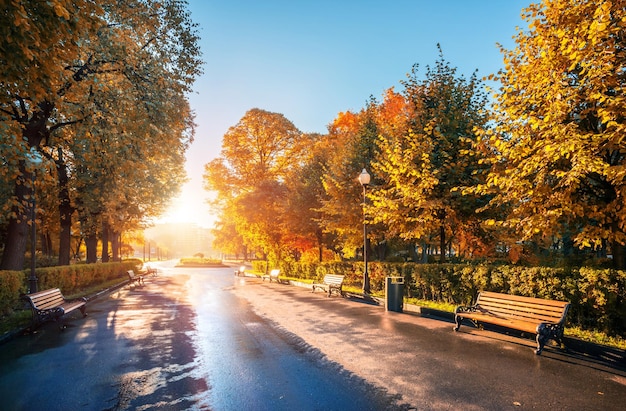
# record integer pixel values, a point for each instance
(394, 293)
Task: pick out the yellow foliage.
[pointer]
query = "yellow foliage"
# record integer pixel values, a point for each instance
(560, 154)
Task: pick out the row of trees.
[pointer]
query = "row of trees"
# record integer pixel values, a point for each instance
(92, 92)
(539, 168)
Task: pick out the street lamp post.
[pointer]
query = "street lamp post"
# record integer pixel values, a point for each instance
(364, 179)
(34, 159)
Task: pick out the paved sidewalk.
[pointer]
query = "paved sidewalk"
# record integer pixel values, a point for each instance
(422, 360)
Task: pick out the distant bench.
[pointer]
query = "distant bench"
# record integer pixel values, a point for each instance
(273, 275)
(50, 305)
(241, 271)
(546, 318)
(332, 283)
(134, 278)
(150, 271)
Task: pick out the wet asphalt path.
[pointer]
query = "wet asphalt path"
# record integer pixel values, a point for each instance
(184, 341)
(202, 339)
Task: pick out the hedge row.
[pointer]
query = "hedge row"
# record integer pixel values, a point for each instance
(71, 279)
(597, 296)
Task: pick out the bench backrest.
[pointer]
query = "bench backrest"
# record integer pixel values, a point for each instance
(333, 279)
(523, 308)
(275, 272)
(131, 274)
(46, 299)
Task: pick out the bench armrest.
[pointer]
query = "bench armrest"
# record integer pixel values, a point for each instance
(465, 309)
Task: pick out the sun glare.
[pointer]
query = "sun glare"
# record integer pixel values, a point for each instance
(188, 208)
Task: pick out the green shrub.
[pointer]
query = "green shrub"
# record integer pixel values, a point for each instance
(194, 261)
(11, 287)
(597, 296)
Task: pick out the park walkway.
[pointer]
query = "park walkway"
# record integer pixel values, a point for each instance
(424, 362)
(203, 339)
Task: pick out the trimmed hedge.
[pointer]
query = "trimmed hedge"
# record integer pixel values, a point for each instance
(71, 279)
(597, 296)
(11, 287)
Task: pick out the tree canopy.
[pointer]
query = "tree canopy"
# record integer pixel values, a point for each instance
(557, 149)
(97, 88)
(249, 177)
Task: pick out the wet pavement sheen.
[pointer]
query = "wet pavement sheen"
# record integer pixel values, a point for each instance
(184, 341)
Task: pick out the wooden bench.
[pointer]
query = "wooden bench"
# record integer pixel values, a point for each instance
(545, 318)
(332, 283)
(273, 275)
(50, 305)
(134, 278)
(150, 271)
(241, 271)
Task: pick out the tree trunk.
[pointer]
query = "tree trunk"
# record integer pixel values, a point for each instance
(413, 253)
(381, 251)
(17, 233)
(46, 244)
(442, 243)
(91, 242)
(105, 242)
(619, 256)
(319, 235)
(115, 246)
(65, 238)
(76, 253)
(15, 246)
(65, 211)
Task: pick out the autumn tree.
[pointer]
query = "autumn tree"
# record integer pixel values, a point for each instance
(248, 177)
(426, 158)
(303, 225)
(558, 147)
(352, 137)
(228, 240)
(91, 49)
(32, 35)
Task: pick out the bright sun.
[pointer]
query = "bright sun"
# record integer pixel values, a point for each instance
(188, 207)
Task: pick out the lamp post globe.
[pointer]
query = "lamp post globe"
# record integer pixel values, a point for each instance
(364, 179)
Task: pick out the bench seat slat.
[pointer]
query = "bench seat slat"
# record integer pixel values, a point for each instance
(521, 307)
(526, 326)
(48, 302)
(527, 312)
(519, 298)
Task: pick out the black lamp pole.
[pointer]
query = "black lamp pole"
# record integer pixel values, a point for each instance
(32, 280)
(364, 179)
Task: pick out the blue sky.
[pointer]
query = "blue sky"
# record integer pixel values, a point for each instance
(310, 60)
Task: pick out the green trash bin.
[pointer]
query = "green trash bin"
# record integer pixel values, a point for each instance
(394, 293)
